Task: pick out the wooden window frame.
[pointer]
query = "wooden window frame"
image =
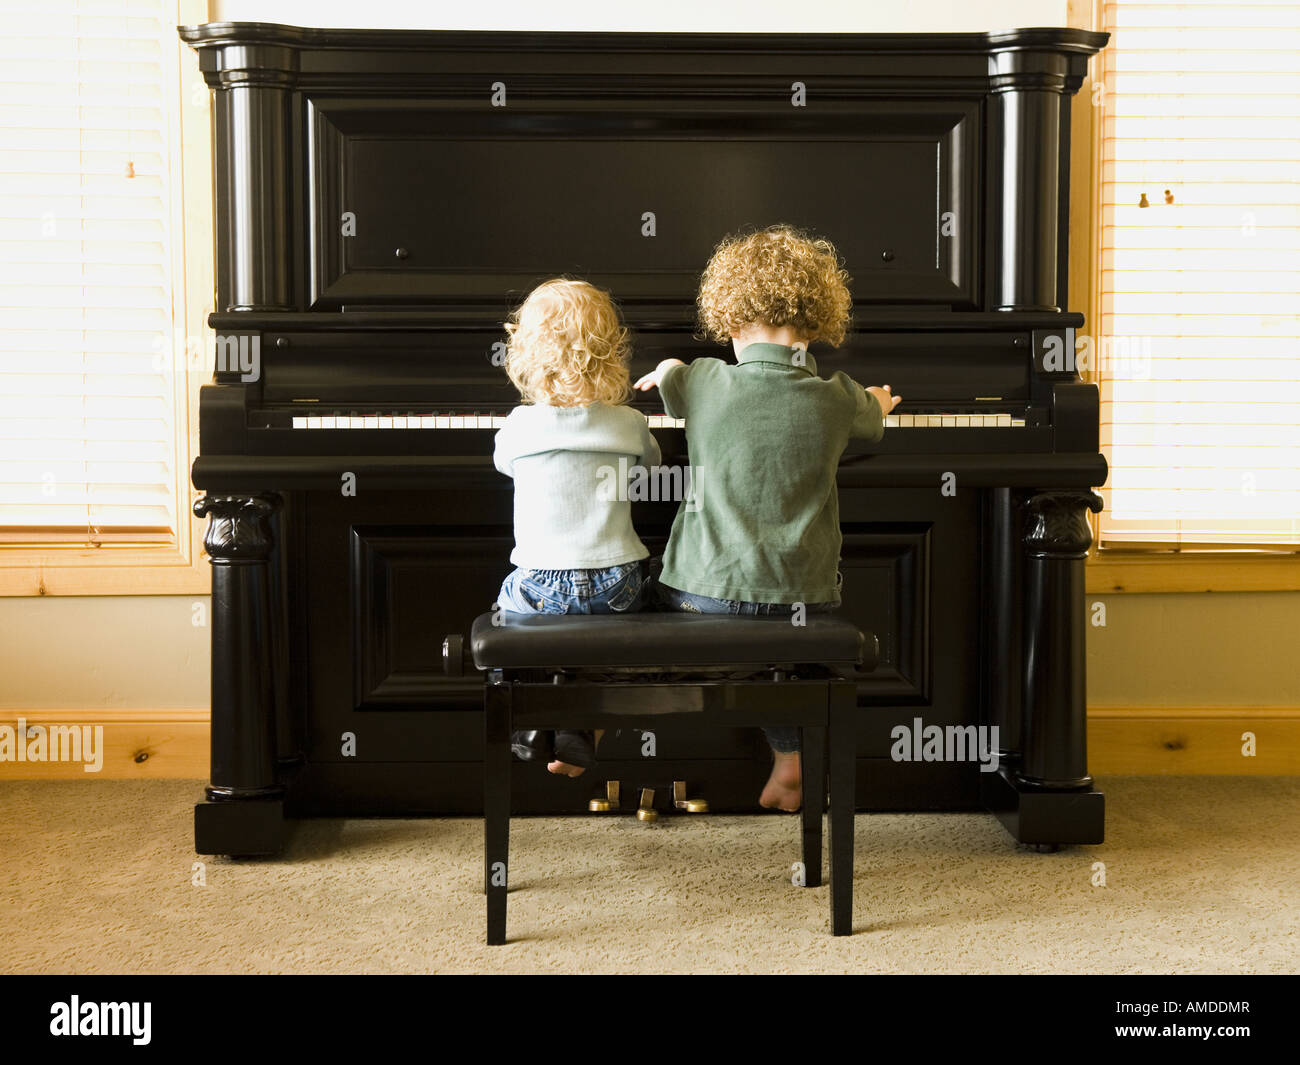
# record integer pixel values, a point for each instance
(180, 568)
(1116, 570)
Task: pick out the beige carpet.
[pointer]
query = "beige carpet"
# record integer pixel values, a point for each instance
(1202, 875)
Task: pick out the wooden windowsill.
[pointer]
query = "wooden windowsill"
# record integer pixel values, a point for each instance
(105, 571)
(1115, 572)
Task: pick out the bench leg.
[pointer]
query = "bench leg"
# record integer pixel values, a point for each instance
(841, 742)
(812, 747)
(496, 807)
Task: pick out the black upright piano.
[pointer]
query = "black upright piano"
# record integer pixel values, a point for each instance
(384, 198)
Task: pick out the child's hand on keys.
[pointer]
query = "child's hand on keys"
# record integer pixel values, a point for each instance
(887, 400)
(652, 379)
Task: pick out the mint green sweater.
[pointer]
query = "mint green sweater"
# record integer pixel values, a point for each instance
(562, 460)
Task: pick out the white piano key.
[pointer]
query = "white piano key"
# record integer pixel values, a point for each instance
(400, 421)
(1003, 421)
(949, 421)
(385, 421)
(371, 421)
(441, 421)
(1017, 423)
(964, 421)
(905, 421)
(328, 421)
(485, 421)
(299, 423)
(679, 423)
(355, 421)
(426, 421)
(498, 420)
(891, 421)
(314, 421)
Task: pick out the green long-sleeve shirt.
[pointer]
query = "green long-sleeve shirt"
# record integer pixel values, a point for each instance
(765, 436)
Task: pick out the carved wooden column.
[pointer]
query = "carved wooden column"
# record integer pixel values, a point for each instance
(239, 820)
(1030, 88)
(1054, 703)
(1005, 565)
(253, 145)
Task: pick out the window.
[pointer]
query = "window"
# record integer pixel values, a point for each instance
(1199, 357)
(96, 377)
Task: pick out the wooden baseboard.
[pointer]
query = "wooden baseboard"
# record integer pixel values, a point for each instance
(1122, 741)
(136, 744)
(1196, 741)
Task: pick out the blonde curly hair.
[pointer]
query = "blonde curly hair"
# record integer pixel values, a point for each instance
(776, 276)
(568, 347)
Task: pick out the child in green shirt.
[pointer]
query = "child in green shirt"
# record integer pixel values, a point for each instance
(762, 533)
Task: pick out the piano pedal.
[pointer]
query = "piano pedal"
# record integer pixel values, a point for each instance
(681, 802)
(610, 803)
(645, 811)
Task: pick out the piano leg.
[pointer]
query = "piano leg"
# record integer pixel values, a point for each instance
(1004, 646)
(1047, 799)
(244, 810)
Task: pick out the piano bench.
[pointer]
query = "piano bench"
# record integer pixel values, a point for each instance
(609, 671)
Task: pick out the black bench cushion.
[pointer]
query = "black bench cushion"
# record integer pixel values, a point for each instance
(667, 641)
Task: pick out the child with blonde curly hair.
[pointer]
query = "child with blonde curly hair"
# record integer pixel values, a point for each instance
(765, 538)
(575, 549)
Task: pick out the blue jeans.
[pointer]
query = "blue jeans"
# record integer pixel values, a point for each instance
(781, 740)
(616, 590)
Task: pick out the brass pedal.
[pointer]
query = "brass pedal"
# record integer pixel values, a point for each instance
(681, 802)
(645, 810)
(609, 802)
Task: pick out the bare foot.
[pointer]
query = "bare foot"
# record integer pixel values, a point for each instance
(784, 789)
(564, 769)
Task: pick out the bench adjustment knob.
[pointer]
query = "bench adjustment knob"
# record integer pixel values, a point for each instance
(453, 655)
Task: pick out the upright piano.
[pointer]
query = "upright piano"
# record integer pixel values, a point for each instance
(384, 198)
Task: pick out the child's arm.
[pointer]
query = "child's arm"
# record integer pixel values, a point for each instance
(872, 405)
(650, 453)
(887, 400)
(670, 377)
(504, 450)
(655, 377)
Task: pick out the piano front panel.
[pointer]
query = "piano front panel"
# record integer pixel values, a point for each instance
(459, 201)
(384, 576)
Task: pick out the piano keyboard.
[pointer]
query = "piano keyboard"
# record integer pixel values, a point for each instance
(657, 421)
(433, 421)
(953, 421)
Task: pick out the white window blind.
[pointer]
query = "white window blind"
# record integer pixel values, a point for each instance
(1200, 290)
(92, 405)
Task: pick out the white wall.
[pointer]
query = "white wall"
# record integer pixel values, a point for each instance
(667, 16)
